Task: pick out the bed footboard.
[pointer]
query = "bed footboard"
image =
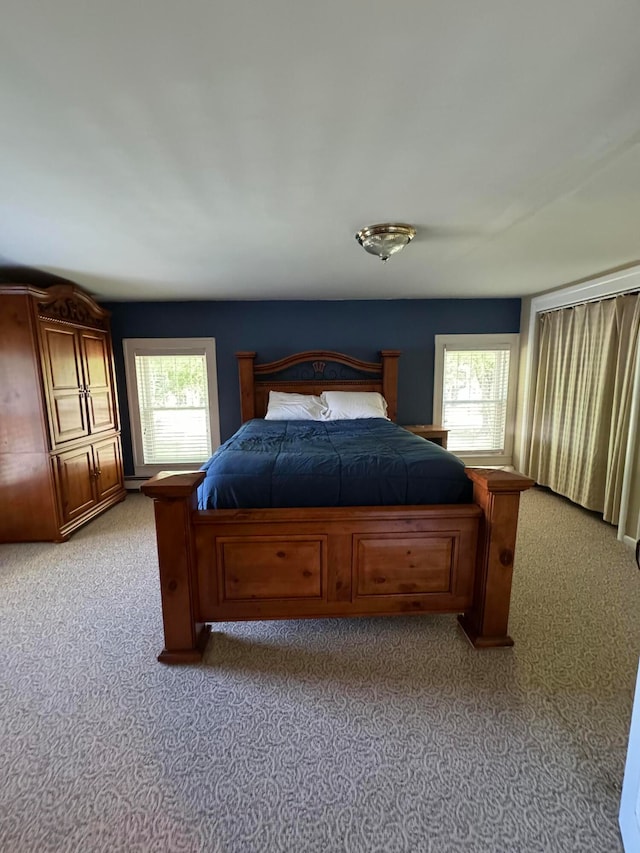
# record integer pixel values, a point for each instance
(225, 565)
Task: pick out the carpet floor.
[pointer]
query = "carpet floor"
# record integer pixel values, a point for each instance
(385, 734)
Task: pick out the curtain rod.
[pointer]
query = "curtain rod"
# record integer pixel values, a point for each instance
(593, 299)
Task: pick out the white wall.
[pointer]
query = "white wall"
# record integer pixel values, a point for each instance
(522, 417)
(632, 525)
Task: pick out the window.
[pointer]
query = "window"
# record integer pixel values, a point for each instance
(475, 394)
(173, 402)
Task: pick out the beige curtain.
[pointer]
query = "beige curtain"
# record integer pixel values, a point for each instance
(582, 401)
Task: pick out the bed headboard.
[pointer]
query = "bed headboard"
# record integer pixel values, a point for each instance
(313, 372)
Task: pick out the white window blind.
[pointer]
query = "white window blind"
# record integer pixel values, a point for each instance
(173, 402)
(474, 399)
(174, 408)
(475, 380)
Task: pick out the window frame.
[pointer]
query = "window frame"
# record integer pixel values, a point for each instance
(168, 346)
(475, 342)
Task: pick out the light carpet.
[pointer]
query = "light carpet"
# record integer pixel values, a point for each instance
(385, 734)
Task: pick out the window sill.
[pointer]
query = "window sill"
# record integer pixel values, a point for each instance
(484, 460)
(151, 470)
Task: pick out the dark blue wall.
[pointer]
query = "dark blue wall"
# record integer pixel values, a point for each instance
(275, 329)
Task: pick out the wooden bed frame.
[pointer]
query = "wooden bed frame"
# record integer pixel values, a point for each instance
(248, 564)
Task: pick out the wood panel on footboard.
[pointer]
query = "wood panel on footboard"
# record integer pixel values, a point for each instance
(253, 564)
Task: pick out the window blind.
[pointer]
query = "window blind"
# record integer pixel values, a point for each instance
(474, 404)
(174, 404)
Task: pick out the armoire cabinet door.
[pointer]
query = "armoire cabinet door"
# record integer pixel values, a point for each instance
(97, 379)
(62, 368)
(108, 467)
(75, 473)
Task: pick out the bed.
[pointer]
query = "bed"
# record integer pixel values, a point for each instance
(254, 562)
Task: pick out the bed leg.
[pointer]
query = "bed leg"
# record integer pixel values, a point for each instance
(193, 655)
(498, 495)
(175, 499)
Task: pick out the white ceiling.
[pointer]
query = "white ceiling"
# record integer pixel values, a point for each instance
(156, 149)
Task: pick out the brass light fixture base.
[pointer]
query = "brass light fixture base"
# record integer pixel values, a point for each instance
(385, 239)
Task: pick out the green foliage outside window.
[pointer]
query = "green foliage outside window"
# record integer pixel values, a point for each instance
(172, 381)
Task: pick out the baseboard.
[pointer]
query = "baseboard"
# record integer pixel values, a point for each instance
(630, 541)
(132, 484)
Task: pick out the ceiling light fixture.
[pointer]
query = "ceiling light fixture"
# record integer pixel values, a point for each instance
(386, 239)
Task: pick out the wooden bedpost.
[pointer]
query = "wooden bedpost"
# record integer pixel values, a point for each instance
(247, 395)
(175, 497)
(390, 380)
(498, 495)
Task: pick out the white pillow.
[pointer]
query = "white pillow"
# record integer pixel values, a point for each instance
(283, 406)
(348, 405)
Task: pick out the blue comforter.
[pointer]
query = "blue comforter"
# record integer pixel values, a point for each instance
(370, 462)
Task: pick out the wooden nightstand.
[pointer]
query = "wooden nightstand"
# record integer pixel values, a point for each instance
(434, 433)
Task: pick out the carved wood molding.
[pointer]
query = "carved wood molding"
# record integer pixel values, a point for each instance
(69, 304)
(319, 356)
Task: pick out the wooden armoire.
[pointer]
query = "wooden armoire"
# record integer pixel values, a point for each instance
(60, 451)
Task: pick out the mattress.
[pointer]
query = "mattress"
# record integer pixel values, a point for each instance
(369, 462)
